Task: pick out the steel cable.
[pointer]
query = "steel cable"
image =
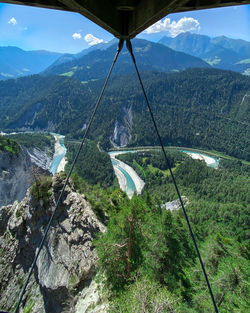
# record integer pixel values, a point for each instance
(130, 49)
(119, 48)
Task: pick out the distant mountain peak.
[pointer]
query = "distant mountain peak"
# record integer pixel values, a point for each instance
(221, 52)
(150, 56)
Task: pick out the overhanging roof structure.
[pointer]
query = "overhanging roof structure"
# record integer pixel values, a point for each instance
(126, 18)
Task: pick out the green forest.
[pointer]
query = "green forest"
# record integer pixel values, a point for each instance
(34, 140)
(92, 165)
(199, 108)
(147, 261)
(9, 145)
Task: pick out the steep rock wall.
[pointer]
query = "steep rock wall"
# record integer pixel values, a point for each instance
(40, 158)
(63, 276)
(122, 130)
(15, 176)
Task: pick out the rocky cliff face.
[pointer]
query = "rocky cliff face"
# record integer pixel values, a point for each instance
(15, 176)
(40, 158)
(16, 173)
(63, 276)
(122, 130)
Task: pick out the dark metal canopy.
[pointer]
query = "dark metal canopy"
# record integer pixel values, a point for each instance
(126, 18)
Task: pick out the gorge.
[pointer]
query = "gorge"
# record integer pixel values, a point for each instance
(118, 236)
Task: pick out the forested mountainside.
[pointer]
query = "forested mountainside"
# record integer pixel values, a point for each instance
(149, 55)
(197, 108)
(219, 52)
(146, 254)
(93, 166)
(15, 62)
(146, 257)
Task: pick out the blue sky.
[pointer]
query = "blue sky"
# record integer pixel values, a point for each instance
(41, 29)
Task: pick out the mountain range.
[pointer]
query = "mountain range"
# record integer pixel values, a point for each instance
(15, 62)
(149, 55)
(93, 63)
(220, 52)
(70, 57)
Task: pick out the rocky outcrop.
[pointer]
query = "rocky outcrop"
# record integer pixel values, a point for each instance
(175, 204)
(16, 173)
(127, 116)
(121, 135)
(63, 276)
(122, 130)
(15, 176)
(40, 158)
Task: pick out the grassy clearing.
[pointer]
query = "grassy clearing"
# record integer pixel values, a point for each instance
(245, 61)
(213, 62)
(68, 74)
(247, 72)
(136, 165)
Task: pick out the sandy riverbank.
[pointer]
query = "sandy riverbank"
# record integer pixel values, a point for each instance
(59, 150)
(139, 183)
(197, 156)
(62, 165)
(121, 179)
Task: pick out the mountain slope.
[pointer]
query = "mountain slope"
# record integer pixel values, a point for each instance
(149, 55)
(15, 62)
(69, 57)
(239, 46)
(220, 52)
(198, 108)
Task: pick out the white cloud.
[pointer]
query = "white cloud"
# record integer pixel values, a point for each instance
(76, 36)
(92, 40)
(174, 28)
(12, 21)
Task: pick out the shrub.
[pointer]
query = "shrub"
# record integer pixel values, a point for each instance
(41, 189)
